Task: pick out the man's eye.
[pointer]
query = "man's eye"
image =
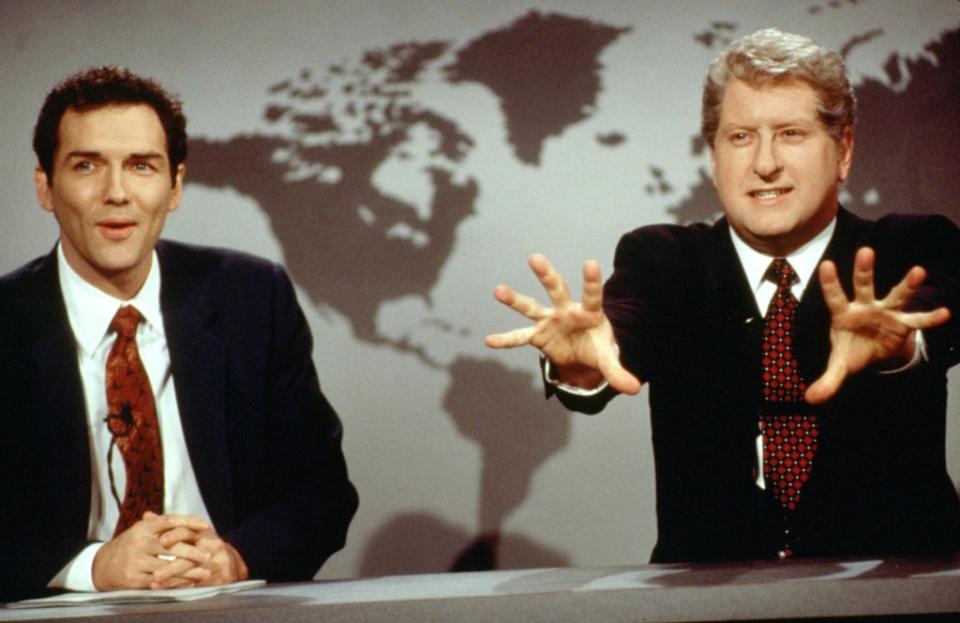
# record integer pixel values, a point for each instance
(793, 133)
(84, 165)
(739, 138)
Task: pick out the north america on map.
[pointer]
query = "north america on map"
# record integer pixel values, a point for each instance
(315, 177)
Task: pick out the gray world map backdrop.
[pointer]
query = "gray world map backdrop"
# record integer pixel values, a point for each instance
(401, 159)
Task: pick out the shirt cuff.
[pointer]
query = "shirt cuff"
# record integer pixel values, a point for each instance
(550, 376)
(77, 575)
(919, 354)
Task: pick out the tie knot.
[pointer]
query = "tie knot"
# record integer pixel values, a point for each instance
(125, 321)
(781, 273)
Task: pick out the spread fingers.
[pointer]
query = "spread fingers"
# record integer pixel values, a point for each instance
(551, 280)
(863, 275)
(520, 303)
(510, 339)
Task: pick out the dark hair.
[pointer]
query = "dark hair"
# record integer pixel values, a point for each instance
(771, 56)
(96, 87)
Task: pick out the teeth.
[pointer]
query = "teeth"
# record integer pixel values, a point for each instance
(767, 194)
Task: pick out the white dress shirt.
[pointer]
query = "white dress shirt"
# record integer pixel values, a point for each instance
(804, 261)
(90, 312)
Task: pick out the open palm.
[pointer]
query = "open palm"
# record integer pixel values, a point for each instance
(577, 338)
(865, 331)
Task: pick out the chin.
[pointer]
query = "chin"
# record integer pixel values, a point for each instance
(114, 265)
(770, 233)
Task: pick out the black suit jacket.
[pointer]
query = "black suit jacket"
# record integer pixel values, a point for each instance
(263, 440)
(687, 324)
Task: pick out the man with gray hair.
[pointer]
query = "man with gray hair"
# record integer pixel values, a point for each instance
(788, 419)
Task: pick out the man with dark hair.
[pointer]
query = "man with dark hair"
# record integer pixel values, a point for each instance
(97, 87)
(163, 422)
(787, 419)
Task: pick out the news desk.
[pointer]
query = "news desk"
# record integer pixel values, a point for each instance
(901, 590)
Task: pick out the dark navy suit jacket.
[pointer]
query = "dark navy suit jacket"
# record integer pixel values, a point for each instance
(264, 442)
(687, 324)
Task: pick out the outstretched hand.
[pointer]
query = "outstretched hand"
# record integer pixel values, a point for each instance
(577, 338)
(866, 331)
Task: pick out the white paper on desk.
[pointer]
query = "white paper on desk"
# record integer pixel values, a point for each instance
(136, 596)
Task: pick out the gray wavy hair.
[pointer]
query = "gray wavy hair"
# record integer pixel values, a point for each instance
(771, 56)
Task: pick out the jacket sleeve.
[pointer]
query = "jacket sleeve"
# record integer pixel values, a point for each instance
(306, 500)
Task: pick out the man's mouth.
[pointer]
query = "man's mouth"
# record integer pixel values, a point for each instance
(768, 194)
(116, 229)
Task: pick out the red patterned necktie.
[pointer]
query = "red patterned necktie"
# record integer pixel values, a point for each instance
(789, 434)
(132, 420)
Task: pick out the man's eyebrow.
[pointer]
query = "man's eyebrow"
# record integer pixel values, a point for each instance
(736, 126)
(83, 154)
(797, 121)
(752, 125)
(147, 155)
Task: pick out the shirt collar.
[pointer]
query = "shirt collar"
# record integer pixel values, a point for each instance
(90, 309)
(804, 260)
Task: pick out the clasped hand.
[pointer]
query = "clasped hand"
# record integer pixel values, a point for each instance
(167, 551)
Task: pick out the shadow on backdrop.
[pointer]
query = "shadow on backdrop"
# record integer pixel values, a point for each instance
(424, 543)
(517, 431)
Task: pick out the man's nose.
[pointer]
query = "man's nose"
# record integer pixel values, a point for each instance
(116, 189)
(766, 164)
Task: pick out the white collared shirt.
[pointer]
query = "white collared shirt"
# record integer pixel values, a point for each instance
(90, 311)
(804, 261)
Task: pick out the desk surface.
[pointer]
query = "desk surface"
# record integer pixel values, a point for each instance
(765, 590)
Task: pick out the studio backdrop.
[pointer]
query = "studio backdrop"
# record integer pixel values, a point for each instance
(402, 158)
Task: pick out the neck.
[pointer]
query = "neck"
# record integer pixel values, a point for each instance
(123, 284)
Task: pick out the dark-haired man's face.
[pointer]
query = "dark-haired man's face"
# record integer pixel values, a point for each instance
(111, 193)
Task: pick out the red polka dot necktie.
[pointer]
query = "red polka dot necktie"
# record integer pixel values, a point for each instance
(789, 434)
(132, 420)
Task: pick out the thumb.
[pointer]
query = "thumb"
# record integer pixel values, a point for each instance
(624, 382)
(618, 377)
(827, 386)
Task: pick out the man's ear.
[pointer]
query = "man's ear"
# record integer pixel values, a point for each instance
(177, 187)
(44, 192)
(845, 155)
(713, 168)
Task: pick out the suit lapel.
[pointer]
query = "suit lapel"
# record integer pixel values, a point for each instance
(741, 324)
(813, 350)
(52, 383)
(813, 320)
(731, 292)
(198, 364)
